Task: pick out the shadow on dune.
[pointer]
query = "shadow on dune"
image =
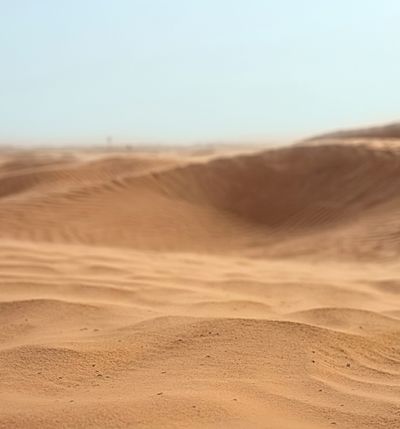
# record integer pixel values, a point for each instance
(301, 186)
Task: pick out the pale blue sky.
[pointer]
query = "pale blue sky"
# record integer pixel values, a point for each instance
(195, 70)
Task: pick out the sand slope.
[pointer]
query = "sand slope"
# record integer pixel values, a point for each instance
(168, 290)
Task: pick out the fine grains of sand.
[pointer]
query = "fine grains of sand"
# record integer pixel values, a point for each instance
(164, 290)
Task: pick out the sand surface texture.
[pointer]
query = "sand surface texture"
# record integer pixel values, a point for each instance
(176, 290)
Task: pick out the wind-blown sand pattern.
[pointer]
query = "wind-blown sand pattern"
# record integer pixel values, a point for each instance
(165, 290)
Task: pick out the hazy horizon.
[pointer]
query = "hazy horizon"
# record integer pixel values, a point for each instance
(176, 72)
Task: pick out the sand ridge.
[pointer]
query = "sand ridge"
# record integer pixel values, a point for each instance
(168, 290)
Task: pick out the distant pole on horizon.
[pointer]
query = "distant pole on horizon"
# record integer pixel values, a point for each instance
(109, 141)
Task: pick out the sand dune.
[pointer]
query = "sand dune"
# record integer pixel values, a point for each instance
(385, 132)
(273, 203)
(168, 290)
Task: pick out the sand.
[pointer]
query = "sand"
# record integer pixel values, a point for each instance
(200, 289)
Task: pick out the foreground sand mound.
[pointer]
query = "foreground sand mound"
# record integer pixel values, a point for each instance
(93, 337)
(166, 291)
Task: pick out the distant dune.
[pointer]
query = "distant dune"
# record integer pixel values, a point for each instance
(202, 289)
(391, 131)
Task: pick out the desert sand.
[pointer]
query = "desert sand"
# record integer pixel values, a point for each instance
(177, 289)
